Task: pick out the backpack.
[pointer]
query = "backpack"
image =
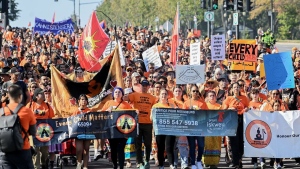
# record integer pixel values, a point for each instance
(11, 139)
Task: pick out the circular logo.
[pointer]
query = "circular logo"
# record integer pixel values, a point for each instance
(126, 124)
(44, 132)
(258, 134)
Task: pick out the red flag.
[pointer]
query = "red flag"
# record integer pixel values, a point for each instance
(53, 18)
(175, 38)
(92, 44)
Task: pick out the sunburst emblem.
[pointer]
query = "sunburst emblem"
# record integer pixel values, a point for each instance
(89, 45)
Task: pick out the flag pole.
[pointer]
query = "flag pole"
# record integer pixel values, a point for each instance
(178, 23)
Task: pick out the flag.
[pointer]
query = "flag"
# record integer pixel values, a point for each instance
(65, 92)
(29, 24)
(103, 24)
(175, 38)
(92, 44)
(53, 18)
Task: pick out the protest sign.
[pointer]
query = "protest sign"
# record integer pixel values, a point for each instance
(262, 72)
(241, 65)
(94, 125)
(218, 47)
(195, 53)
(109, 48)
(192, 74)
(179, 122)
(279, 71)
(151, 55)
(44, 27)
(266, 132)
(243, 50)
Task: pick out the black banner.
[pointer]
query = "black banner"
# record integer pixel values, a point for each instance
(94, 125)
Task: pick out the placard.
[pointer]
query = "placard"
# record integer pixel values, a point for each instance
(190, 74)
(243, 50)
(151, 55)
(179, 122)
(279, 71)
(109, 48)
(195, 53)
(241, 65)
(218, 47)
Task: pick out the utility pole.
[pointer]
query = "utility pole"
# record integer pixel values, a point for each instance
(5, 11)
(208, 22)
(271, 13)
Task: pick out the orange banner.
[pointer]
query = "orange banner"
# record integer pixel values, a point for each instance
(243, 50)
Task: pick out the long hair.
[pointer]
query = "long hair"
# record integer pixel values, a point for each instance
(179, 87)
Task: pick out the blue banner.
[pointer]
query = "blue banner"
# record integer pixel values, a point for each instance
(179, 122)
(44, 27)
(94, 125)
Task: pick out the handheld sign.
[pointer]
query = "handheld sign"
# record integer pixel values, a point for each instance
(243, 50)
(217, 47)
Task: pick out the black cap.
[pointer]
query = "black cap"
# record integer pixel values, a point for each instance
(38, 91)
(145, 83)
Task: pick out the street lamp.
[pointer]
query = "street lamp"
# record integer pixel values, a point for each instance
(74, 12)
(85, 3)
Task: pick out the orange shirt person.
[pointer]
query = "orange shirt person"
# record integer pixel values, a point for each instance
(273, 96)
(117, 144)
(23, 158)
(195, 102)
(255, 104)
(178, 99)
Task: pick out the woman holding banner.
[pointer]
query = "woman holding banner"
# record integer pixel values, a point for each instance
(164, 141)
(195, 102)
(236, 101)
(212, 145)
(82, 146)
(117, 145)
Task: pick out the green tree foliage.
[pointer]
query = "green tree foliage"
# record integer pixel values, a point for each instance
(14, 15)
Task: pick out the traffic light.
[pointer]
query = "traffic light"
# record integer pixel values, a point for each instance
(240, 5)
(228, 5)
(215, 5)
(203, 4)
(249, 5)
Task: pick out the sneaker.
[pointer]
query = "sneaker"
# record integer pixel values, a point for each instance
(85, 168)
(262, 165)
(128, 164)
(172, 167)
(255, 165)
(194, 167)
(141, 166)
(97, 156)
(147, 165)
(79, 165)
(278, 166)
(156, 163)
(199, 165)
(151, 157)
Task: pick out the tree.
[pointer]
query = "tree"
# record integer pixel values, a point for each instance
(14, 11)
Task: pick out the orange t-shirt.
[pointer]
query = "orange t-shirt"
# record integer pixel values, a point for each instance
(26, 119)
(137, 88)
(142, 102)
(239, 103)
(162, 105)
(255, 105)
(42, 111)
(267, 106)
(178, 103)
(82, 111)
(195, 104)
(213, 106)
(116, 105)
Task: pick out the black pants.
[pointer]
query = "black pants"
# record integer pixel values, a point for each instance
(145, 133)
(17, 160)
(237, 143)
(117, 146)
(165, 142)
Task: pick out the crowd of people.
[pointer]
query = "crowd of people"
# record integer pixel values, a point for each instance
(25, 78)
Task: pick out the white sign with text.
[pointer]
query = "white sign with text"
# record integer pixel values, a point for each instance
(151, 55)
(218, 47)
(195, 53)
(190, 74)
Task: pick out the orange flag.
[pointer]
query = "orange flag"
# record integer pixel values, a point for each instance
(175, 38)
(92, 44)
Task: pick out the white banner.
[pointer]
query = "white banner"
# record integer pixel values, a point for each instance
(275, 135)
(151, 55)
(218, 47)
(190, 74)
(195, 53)
(109, 48)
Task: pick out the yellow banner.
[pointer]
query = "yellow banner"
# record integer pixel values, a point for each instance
(262, 72)
(244, 41)
(240, 65)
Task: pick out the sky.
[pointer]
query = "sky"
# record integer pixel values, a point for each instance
(45, 9)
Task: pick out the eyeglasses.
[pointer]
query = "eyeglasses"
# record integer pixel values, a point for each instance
(241, 85)
(275, 93)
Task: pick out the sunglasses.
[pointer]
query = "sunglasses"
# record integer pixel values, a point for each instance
(210, 83)
(275, 93)
(241, 85)
(254, 93)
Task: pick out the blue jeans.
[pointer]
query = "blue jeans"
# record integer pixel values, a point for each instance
(17, 160)
(192, 144)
